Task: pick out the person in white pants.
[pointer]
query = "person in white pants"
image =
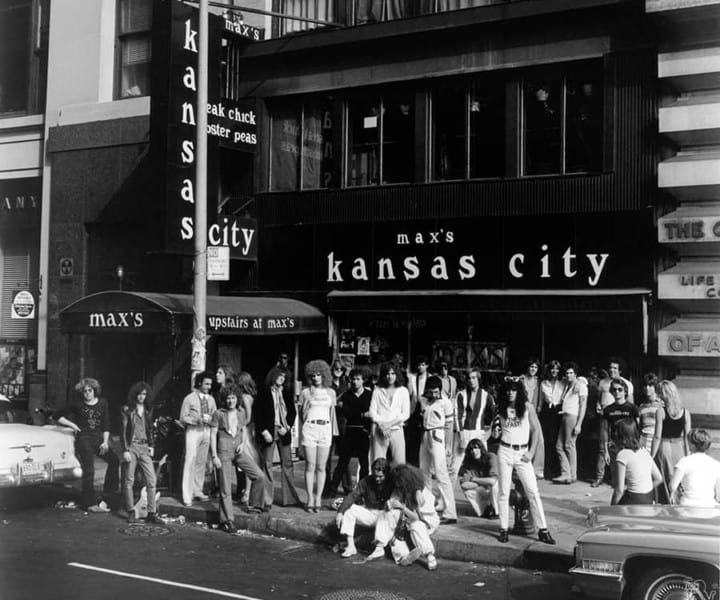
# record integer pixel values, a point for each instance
(415, 503)
(518, 439)
(364, 505)
(389, 409)
(433, 456)
(196, 414)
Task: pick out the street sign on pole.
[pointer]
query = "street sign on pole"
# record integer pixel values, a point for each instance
(218, 263)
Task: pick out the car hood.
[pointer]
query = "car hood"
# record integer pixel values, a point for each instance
(18, 434)
(657, 517)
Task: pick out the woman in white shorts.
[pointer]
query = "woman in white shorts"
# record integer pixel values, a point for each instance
(318, 425)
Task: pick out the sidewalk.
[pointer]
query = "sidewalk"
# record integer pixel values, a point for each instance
(472, 539)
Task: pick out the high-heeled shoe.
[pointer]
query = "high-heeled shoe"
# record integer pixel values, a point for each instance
(503, 537)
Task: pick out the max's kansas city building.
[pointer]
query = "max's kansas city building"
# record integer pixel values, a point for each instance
(480, 182)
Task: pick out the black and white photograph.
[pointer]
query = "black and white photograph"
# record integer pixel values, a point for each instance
(360, 299)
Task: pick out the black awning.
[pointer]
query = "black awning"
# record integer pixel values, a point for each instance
(151, 312)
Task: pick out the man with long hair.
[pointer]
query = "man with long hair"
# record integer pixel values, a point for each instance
(137, 448)
(518, 441)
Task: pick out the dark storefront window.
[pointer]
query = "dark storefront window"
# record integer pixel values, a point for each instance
(381, 139)
(304, 144)
(23, 56)
(468, 131)
(135, 47)
(563, 123)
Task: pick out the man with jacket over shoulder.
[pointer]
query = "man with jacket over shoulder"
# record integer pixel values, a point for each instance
(274, 416)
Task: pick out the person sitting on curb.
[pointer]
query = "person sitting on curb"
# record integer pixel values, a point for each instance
(412, 508)
(364, 504)
(478, 479)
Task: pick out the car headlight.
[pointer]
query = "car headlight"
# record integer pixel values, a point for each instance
(602, 566)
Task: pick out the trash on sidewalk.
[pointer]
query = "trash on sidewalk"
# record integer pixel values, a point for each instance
(176, 520)
(479, 584)
(65, 504)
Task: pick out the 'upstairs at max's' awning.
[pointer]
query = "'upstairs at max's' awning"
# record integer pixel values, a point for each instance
(151, 312)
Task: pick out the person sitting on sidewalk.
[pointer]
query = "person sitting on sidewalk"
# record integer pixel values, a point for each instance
(478, 479)
(364, 504)
(411, 508)
(518, 438)
(228, 449)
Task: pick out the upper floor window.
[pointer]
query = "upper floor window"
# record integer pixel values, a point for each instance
(23, 56)
(305, 143)
(320, 10)
(381, 139)
(563, 123)
(468, 130)
(135, 47)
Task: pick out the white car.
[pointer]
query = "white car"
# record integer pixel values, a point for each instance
(32, 455)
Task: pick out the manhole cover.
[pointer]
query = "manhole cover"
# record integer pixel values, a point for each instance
(354, 594)
(143, 530)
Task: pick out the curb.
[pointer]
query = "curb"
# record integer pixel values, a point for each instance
(527, 554)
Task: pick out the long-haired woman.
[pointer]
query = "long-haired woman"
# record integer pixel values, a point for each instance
(412, 501)
(669, 445)
(551, 392)
(478, 479)
(318, 425)
(247, 391)
(636, 475)
(389, 409)
(518, 440)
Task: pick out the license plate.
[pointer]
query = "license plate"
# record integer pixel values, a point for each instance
(32, 468)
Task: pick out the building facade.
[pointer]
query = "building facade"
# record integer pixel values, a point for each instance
(476, 181)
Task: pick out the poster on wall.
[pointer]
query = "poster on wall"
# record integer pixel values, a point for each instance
(23, 305)
(348, 361)
(12, 369)
(363, 346)
(461, 356)
(347, 341)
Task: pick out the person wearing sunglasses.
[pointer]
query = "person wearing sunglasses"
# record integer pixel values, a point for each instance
(518, 441)
(621, 408)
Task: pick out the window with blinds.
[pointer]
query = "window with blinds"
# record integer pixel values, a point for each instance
(135, 47)
(15, 275)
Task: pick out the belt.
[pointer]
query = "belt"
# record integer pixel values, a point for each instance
(139, 441)
(432, 428)
(319, 422)
(514, 446)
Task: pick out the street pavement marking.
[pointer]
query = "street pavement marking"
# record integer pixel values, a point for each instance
(187, 586)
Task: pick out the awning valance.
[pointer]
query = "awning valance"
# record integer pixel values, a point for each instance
(152, 312)
(490, 300)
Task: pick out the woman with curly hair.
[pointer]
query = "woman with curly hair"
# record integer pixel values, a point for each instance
(518, 439)
(89, 418)
(411, 505)
(389, 409)
(669, 445)
(478, 479)
(318, 425)
(636, 475)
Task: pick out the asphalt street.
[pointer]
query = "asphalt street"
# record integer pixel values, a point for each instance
(49, 552)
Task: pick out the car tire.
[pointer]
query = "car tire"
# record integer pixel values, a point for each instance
(663, 583)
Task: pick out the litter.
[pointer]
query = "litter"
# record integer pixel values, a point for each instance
(479, 584)
(65, 504)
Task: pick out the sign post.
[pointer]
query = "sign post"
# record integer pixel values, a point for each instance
(200, 255)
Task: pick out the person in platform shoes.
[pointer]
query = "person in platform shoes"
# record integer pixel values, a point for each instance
(518, 440)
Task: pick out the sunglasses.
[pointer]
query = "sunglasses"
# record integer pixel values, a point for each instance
(511, 379)
(617, 389)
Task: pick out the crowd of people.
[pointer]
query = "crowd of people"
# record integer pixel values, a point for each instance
(410, 432)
